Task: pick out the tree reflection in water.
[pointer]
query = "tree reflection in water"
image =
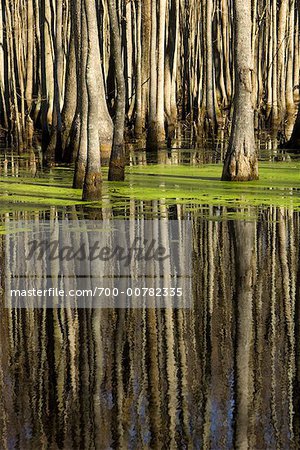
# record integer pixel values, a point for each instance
(222, 374)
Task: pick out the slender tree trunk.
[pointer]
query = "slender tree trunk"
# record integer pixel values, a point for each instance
(241, 162)
(290, 105)
(29, 59)
(160, 123)
(53, 152)
(82, 99)
(209, 78)
(92, 181)
(105, 124)
(171, 68)
(151, 136)
(146, 38)
(117, 159)
(138, 126)
(281, 50)
(69, 108)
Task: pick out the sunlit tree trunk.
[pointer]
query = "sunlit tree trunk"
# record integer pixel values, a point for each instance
(160, 124)
(241, 162)
(92, 180)
(153, 79)
(146, 37)
(70, 98)
(289, 88)
(80, 119)
(281, 50)
(117, 159)
(209, 67)
(30, 61)
(138, 127)
(171, 62)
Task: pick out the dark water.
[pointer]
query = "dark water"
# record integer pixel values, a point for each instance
(222, 374)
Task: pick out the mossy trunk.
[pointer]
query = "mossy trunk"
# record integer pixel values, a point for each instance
(241, 162)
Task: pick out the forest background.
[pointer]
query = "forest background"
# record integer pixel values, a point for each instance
(73, 67)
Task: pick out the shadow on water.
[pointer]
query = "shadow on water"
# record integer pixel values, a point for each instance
(221, 374)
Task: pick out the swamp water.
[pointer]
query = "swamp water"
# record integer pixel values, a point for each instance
(224, 373)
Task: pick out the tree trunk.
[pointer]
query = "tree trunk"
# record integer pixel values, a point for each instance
(92, 181)
(138, 126)
(241, 162)
(117, 159)
(146, 37)
(82, 98)
(69, 108)
(160, 121)
(209, 69)
(151, 135)
(171, 69)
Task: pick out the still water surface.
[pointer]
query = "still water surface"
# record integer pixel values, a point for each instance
(223, 374)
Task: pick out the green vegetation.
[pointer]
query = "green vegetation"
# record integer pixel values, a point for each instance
(279, 185)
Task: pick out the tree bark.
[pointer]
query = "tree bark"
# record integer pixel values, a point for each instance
(82, 97)
(151, 135)
(241, 162)
(69, 108)
(92, 181)
(117, 159)
(160, 121)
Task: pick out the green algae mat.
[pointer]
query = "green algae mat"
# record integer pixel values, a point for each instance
(279, 185)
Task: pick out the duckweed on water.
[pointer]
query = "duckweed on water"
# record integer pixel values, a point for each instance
(279, 185)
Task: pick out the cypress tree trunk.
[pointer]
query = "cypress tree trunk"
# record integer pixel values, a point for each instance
(92, 181)
(209, 69)
(241, 162)
(146, 39)
(160, 112)
(151, 134)
(82, 99)
(69, 107)
(117, 159)
(138, 126)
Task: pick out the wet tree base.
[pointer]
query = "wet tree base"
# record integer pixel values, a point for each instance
(79, 175)
(117, 164)
(116, 171)
(92, 187)
(240, 168)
